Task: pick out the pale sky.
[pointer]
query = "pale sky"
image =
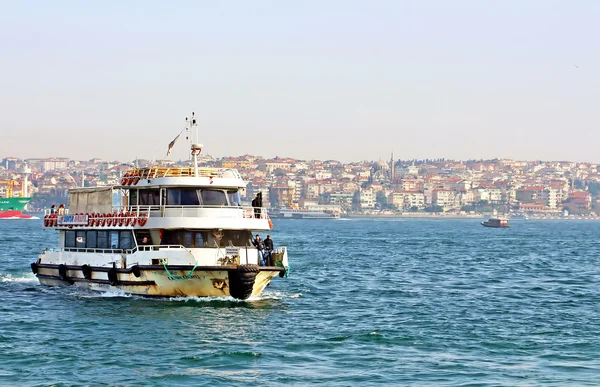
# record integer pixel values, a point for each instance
(323, 79)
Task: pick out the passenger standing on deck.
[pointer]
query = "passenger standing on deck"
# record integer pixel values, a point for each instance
(269, 250)
(61, 209)
(53, 209)
(260, 246)
(257, 204)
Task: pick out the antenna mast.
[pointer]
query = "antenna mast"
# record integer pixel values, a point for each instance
(196, 147)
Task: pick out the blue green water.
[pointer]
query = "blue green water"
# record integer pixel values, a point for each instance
(368, 302)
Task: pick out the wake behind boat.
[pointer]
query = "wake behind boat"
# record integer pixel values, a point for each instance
(173, 232)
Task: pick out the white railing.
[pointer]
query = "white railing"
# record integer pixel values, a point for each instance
(214, 211)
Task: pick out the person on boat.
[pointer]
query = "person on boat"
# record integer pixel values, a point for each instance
(260, 246)
(269, 250)
(257, 204)
(61, 209)
(145, 241)
(53, 209)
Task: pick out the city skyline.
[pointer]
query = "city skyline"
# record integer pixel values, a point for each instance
(336, 80)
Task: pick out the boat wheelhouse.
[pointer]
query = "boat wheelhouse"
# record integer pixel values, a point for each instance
(163, 232)
(496, 223)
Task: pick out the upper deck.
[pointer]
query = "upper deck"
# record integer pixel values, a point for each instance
(182, 176)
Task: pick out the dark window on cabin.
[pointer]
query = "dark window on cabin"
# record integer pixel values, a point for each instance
(199, 239)
(70, 238)
(188, 237)
(80, 240)
(133, 197)
(114, 239)
(182, 197)
(126, 240)
(103, 239)
(92, 241)
(149, 197)
(213, 198)
(170, 237)
(234, 198)
(238, 238)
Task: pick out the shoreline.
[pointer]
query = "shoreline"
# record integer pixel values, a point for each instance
(457, 216)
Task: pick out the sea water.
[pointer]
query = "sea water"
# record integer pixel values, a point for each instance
(368, 302)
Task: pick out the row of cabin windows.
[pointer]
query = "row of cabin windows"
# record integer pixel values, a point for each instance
(184, 197)
(99, 239)
(207, 238)
(124, 239)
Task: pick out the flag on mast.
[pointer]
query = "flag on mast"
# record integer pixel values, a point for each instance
(172, 144)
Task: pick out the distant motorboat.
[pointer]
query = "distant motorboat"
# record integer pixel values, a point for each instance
(496, 223)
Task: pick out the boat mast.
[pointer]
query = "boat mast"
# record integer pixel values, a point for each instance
(196, 148)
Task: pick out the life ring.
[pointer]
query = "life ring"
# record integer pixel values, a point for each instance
(125, 179)
(131, 219)
(46, 220)
(142, 219)
(136, 180)
(53, 221)
(108, 218)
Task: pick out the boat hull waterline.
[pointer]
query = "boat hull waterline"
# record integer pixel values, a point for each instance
(239, 282)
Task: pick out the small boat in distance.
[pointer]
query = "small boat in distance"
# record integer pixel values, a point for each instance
(496, 223)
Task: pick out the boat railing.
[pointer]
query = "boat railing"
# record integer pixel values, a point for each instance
(178, 211)
(98, 250)
(157, 172)
(124, 250)
(159, 247)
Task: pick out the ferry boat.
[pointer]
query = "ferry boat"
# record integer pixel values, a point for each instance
(307, 213)
(162, 232)
(496, 223)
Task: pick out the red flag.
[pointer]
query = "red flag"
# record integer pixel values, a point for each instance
(172, 144)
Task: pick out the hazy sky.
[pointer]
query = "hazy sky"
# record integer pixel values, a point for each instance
(346, 80)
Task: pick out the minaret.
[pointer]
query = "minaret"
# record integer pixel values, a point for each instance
(392, 167)
(25, 172)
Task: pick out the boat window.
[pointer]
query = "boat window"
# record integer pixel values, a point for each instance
(103, 239)
(80, 240)
(91, 239)
(238, 238)
(69, 238)
(114, 239)
(133, 197)
(149, 197)
(234, 198)
(187, 238)
(183, 197)
(170, 237)
(126, 240)
(213, 198)
(194, 238)
(199, 239)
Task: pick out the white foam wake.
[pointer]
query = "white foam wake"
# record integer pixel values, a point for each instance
(26, 278)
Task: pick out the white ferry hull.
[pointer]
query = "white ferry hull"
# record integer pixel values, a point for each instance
(239, 282)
